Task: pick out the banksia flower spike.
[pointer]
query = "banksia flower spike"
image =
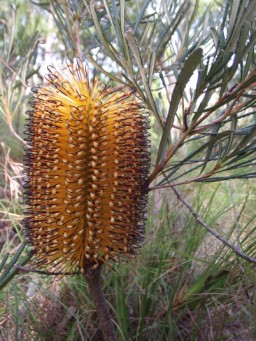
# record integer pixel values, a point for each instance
(85, 172)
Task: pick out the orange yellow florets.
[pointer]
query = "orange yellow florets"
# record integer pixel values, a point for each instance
(85, 172)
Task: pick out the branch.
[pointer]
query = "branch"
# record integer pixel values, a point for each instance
(235, 249)
(189, 181)
(42, 272)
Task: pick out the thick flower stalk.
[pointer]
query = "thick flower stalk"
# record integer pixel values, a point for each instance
(85, 172)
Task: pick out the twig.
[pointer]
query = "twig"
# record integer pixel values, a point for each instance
(93, 279)
(235, 249)
(189, 181)
(42, 272)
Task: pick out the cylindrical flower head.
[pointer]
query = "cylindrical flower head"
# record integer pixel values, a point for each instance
(85, 171)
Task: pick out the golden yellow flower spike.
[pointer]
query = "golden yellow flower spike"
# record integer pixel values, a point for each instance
(85, 170)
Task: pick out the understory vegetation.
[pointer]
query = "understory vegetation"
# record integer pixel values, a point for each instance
(185, 284)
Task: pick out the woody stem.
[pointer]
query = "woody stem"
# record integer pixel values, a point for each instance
(93, 279)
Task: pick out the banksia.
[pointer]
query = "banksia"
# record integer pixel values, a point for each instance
(86, 166)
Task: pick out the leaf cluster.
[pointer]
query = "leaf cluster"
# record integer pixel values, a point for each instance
(195, 73)
(19, 41)
(18, 54)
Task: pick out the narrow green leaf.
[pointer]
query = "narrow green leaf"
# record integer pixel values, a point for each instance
(109, 48)
(151, 67)
(152, 35)
(97, 66)
(140, 15)
(250, 57)
(12, 35)
(186, 72)
(5, 257)
(229, 144)
(239, 52)
(146, 30)
(215, 130)
(13, 260)
(4, 280)
(117, 25)
(233, 14)
(217, 67)
(108, 12)
(215, 35)
(122, 13)
(246, 13)
(245, 141)
(168, 31)
(247, 163)
(215, 139)
(137, 56)
(229, 177)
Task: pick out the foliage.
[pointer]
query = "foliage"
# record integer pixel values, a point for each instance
(194, 68)
(213, 70)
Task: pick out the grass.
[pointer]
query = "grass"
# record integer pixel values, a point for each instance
(183, 286)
